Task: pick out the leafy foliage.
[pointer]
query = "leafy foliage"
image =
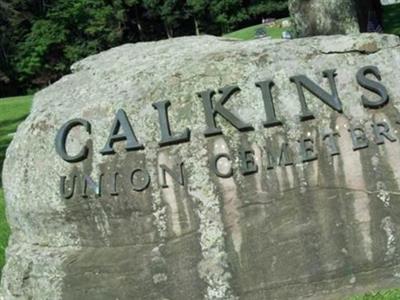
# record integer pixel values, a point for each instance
(70, 31)
(40, 39)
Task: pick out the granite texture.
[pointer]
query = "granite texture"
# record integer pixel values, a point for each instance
(322, 229)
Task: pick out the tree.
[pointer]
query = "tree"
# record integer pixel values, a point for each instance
(169, 11)
(36, 55)
(136, 19)
(70, 31)
(197, 9)
(264, 8)
(40, 39)
(5, 11)
(228, 13)
(14, 24)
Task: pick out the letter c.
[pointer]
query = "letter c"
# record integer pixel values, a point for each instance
(214, 166)
(61, 140)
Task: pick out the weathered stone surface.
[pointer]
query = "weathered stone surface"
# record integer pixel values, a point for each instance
(316, 17)
(389, 2)
(316, 230)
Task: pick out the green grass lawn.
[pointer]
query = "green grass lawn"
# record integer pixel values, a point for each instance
(391, 24)
(4, 230)
(248, 33)
(386, 295)
(12, 112)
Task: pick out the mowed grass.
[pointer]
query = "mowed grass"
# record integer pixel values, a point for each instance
(391, 24)
(12, 112)
(384, 295)
(249, 33)
(4, 230)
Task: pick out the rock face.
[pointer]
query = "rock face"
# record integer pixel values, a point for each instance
(315, 17)
(389, 2)
(301, 208)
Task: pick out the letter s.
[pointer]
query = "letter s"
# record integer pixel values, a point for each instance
(373, 86)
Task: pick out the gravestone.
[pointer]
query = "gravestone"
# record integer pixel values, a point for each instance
(260, 33)
(208, 168)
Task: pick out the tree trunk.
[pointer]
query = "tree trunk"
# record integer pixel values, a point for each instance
(196, 26)
(138, 23)
(327, 17)
(169, 31)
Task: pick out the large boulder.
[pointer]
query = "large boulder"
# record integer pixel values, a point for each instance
(327, 17)
(304, 205)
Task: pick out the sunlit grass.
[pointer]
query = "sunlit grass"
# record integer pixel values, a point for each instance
(383, 295)
(12, 112)
(249, 33)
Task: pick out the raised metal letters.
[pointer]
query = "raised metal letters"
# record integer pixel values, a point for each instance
(332, 100)
(139, 179)
(265, 87)
(212, 110)
(214, 165)
(145, 180)
(166, 136)
(63, 193)
(89, 182)
(381, 131)
(114, 191)
(307, 151)
(248, 165)
(284, 158)
(121, 121)
(329, 138)
(176, 176)
(360, 140)
(61, 140)
(373, 86)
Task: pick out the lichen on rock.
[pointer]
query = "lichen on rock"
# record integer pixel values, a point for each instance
(306, 208)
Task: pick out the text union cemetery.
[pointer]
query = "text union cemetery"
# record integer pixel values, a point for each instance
(207, 168)
(277, 153)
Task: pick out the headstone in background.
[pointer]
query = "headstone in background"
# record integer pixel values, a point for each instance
(260, 33)
(262, 200)
(287, 35)
(268, 20)
(286, 23)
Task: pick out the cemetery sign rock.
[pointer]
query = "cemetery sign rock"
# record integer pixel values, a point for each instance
(206, 168)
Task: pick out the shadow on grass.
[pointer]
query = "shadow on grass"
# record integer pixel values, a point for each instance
(7, 123)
